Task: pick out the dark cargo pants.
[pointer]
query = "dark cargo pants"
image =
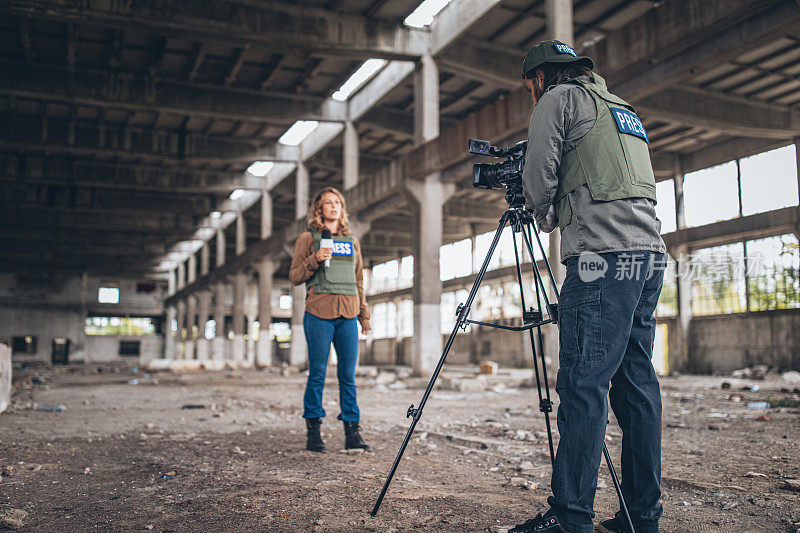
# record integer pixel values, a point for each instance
(607, 335)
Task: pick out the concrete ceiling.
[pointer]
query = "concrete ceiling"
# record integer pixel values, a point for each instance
(128, 124)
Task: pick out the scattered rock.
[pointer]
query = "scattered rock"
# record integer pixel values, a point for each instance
(12, 518)
(473, 385)
(754, 372)
(735, 398)
(385, 378)
(149, 425)
(87, 470)
(7, 471)
(764, 418)
(148, 527)
(352, 451)
(523, 483)
(755, 474)
(524, 466)
(791, 376)
(792, 484)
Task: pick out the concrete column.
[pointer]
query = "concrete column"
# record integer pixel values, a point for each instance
(250, 349)
(558, 17)
(302, 191)
(191, 307)
(350, 156)
(426, 100)
(220, 340)
(191, 315)
(266, 214)
(428, 196)
(797, 161)
(180, 283)
(203, 307)
(681, 255)
(298, 354)
(558, 22)
(266, 270)
(169, 336)
(239, 289)
(220, 248)
(205, 259)
(680, 205)
(241, 233)
(180, 345)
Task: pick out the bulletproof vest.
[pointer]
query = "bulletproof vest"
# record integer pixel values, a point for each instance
(612, 159)
(340, 277)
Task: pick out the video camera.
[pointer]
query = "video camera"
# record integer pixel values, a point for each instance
(506, 174)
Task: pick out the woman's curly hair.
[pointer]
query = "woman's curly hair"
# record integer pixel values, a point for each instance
(315, 220)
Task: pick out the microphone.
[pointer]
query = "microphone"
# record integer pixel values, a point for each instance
(326, 242)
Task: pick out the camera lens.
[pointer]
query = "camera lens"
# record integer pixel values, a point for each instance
(484, 176)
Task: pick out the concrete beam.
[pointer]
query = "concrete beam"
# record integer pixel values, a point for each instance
(625, 58)
(389, 120)
(273, 25)
(484, 62)
(95, 139)
(107, 88)
(48, 217)
(33, 169)
(709, 110)
(109, 140)
(758, 226)
(665, 46)
(450, 24)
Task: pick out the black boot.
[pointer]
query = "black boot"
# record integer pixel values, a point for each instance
(314, 442)
(352, 438)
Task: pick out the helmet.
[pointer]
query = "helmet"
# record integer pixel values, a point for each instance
(552, 52)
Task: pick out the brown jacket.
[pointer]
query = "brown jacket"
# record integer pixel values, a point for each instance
(328, 306)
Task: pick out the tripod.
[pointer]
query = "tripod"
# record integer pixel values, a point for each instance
(522, 222)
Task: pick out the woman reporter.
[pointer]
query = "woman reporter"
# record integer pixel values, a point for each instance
(334, 300)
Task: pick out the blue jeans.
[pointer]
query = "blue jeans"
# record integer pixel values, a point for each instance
(320, 332)
(607, 331)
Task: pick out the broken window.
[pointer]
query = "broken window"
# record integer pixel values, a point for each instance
(115, 325)
(108, 295)
(22, 345)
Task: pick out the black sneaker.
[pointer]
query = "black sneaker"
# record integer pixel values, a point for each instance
(612, 525)
(539, 524)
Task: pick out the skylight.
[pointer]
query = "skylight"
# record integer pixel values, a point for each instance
(423, 15)
(299, 131)
(238, 193)
(260, 168)
(359, 77)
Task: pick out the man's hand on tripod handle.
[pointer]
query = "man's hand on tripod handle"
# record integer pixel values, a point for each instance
(549, 222)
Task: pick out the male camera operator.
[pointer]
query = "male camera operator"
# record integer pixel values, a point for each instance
(588, 172)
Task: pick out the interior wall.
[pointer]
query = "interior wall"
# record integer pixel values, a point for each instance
(48, 307)
(719, 344)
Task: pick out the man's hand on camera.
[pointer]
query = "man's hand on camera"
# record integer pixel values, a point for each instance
(549, 222)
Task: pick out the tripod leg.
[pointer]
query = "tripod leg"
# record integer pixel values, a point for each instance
(416, 414)
(544, 406)
(622, 505)
(541, 292)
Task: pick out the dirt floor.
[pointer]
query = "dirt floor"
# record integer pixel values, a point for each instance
(127, 457)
